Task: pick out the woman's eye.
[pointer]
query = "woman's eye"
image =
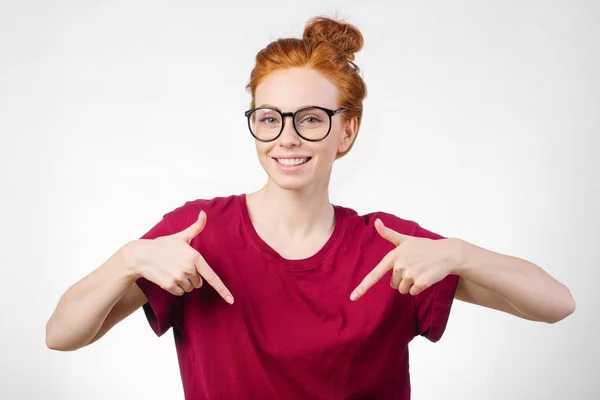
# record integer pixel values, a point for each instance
(269, 120)
(311, 120)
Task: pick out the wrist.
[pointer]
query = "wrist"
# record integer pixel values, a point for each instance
(459, 257)
(129, 260)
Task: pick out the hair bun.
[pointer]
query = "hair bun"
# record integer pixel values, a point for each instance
(343, 36)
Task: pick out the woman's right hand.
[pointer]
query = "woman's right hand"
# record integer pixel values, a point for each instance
(174, 265)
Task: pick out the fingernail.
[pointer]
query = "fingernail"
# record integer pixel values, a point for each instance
(229, 299)
(353, 296)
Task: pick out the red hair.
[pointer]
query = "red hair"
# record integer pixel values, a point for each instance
(327, 46)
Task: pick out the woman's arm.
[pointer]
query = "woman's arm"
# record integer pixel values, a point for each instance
(95, 304)
(510, 284)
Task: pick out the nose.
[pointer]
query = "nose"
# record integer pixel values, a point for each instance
(289, 136)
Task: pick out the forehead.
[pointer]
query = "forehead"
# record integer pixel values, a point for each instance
(292, 88)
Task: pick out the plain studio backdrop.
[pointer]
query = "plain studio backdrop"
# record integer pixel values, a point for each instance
(481, 122)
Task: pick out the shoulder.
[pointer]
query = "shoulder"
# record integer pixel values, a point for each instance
(185, 214)
(404, 225)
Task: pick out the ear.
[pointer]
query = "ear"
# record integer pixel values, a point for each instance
(350, 131)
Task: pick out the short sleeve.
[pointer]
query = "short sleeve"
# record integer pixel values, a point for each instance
(163, 309)
(433, 304)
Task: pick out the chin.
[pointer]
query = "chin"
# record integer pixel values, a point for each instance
(289, 182)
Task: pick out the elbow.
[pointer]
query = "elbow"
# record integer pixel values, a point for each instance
(52, 344)
(566, 308)
(55, 344)
(54, 340)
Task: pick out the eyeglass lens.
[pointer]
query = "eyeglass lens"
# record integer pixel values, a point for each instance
(310, 123)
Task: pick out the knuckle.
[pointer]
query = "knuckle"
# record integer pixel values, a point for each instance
(168, 283)
(192, 278)
(416, 289)
(189, 269)
(181, 276)
(193, 256)
(171, 287)
(419, 281)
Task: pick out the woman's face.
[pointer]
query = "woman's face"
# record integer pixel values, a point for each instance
(288, 90)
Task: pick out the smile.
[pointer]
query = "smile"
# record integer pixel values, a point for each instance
(291, 162)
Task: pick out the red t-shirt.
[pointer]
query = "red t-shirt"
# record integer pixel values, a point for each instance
(293, 332)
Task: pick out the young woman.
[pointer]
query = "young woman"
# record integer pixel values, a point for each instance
(279, 294)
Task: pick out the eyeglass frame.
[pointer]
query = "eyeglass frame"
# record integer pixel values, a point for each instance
(328, 111)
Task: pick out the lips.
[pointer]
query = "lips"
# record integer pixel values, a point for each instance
(292, 162)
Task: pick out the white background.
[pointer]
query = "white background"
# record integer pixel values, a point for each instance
(481, 123)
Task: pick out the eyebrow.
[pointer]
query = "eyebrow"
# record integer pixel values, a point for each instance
(267, 105)
(272, 106)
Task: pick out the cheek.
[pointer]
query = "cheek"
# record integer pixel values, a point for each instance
(327, 152)
(261, 153)
(261, 148)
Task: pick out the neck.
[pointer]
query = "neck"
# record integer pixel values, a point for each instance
(297, 213)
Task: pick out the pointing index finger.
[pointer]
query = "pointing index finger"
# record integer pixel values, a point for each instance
(373, 277)
(213, 279)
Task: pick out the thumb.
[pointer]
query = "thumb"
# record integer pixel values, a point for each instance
(390, 234)
(193, 230)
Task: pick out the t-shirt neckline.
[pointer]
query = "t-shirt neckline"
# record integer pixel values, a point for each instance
(311, 261)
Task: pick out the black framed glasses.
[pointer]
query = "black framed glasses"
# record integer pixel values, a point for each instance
(312, 123)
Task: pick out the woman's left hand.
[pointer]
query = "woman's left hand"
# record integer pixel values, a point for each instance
(417, 263)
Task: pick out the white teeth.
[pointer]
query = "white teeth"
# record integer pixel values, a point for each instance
(291, 161)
